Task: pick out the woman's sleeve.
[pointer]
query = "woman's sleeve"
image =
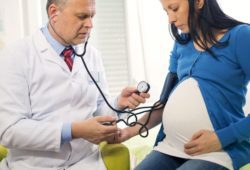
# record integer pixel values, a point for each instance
(242, 49)
(173, 59)
(239, 131)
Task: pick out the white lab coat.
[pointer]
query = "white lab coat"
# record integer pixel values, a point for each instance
(38, 94)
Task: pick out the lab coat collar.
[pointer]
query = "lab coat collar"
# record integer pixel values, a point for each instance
(45, 50)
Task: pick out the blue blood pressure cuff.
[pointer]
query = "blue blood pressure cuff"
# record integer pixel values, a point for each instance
(170, 82)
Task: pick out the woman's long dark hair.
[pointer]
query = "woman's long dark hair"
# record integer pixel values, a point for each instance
(209, 20)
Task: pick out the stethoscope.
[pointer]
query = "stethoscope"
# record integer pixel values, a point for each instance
(142, 87)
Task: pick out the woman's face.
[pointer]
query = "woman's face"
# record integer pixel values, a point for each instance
(177, 11)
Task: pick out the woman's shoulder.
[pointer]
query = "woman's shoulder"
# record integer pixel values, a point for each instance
(241, 28)
(239, 32)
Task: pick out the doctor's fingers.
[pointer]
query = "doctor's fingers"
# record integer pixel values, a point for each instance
(112, 138)
(135, 100)
(103, 119)
(109, 129)
(141, 98)
(128, 91)
(101, 138)
(145, 95)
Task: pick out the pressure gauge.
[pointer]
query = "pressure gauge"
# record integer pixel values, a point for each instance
(143, 87)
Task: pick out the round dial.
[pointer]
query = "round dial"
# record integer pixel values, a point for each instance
(143, 87)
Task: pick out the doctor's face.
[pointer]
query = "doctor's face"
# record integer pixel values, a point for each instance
(71, 21)
(178, 11)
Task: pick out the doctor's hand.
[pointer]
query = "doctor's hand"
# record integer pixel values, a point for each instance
(130, 99)
(93, 129)
(204, 141)
(122, 135)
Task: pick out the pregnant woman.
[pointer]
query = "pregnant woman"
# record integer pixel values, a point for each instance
(203, 120)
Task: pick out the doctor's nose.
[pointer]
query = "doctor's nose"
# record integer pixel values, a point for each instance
(88, 23)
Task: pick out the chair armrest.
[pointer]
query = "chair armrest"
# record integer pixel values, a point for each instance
(3, 152)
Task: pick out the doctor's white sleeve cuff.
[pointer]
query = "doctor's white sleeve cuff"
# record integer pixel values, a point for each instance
(121, 115)
(116, 106)
(66, 135)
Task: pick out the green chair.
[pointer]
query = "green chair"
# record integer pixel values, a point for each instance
(3, 152)
(246, 167)
(115, 156)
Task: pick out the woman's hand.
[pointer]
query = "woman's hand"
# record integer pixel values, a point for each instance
(122, 135)
(204, 141)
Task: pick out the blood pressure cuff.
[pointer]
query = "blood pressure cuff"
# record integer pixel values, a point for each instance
(170, 82)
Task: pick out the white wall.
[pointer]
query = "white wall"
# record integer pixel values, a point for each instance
(18, 18)
(237, 9)
(11, 25)
(149, 43)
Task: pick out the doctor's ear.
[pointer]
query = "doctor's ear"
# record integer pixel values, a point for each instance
(53, 16)
(57, 13)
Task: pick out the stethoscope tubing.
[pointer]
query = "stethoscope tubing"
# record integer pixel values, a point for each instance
(157, 105)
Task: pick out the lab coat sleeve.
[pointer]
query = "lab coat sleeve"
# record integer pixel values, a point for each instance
(17, 128)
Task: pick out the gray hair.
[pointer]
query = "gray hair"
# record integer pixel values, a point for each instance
(57, 2)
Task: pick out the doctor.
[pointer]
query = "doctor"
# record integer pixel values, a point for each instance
(51, 113)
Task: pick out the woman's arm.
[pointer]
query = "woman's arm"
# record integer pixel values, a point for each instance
(129, 132)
